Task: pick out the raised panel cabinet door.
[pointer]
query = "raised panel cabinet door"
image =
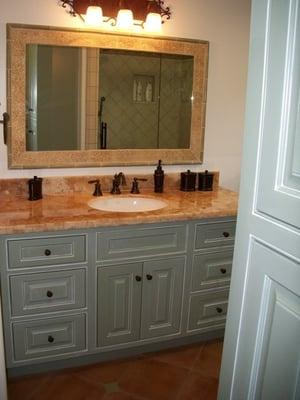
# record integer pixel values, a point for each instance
(162, 297)
(119, 303)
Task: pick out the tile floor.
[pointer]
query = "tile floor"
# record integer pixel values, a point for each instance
(185, 373)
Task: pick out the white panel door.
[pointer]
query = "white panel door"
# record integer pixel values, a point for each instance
(261, 358)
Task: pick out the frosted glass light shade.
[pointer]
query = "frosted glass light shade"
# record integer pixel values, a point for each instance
(153, 22)
(125, 19)
(94, 16)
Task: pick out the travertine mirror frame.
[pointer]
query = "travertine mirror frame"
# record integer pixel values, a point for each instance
(18, 36)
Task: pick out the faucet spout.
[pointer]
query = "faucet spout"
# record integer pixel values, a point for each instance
(119, 179)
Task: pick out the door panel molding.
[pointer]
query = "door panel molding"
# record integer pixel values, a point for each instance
(279, 115)
(272, 354)
(258, 313)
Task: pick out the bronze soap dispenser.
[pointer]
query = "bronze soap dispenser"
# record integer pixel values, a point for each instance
(159, 177)
(35, 188)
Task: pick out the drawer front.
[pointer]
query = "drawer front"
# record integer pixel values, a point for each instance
(24, 253)
(214, 234)
(208, 310)
(211, 269)
(46, 292)
(140, 241)
(48, 337)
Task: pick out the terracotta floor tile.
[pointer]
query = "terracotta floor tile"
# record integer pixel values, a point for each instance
(23, 388)
(208, 362)
(67, 386)
(184, 357)
(198, 387)
(185, 373)
(103, 372)
(120, 396)
(153, 380)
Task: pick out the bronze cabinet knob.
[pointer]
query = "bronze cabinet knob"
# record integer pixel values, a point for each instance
(50, 339)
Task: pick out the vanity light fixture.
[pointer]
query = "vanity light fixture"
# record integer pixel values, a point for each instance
(146, 15)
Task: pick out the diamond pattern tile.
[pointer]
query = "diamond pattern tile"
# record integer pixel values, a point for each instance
(163, 122)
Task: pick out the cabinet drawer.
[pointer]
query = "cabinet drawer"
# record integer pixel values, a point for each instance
(48, 337)
(211, 269)
(214, 234)
(140, 241)
(46, 292)
(208, 310)
(23, 253)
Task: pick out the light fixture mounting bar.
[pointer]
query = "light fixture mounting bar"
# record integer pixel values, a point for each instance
(140, 8)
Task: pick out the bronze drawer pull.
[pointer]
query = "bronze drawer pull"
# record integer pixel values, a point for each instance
(50, 339)
(49, 293)
(219, 310)
(138, 278)
(47, 252)
(223, 270)
(226, 234)
(149, 277)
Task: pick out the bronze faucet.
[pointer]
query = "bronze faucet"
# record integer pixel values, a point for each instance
(119, 179)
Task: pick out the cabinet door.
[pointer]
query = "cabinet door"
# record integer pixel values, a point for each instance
(119, 303)
(162, 297)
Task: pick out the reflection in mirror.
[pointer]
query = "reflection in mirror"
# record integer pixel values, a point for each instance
(89, 98)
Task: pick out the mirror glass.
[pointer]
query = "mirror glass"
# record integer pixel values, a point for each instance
(106, 99)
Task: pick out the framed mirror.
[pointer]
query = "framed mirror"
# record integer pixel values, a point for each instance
(78, 98)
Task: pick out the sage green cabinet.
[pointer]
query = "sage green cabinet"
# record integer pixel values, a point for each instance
(214, 234)
(106, 290)
(47, 291)
(162, 297)
(51, 250)
(141, 241)
(211, 269)
(119, 303)
(207, 310)
(47, 337)
(210, 277)
(139, 300)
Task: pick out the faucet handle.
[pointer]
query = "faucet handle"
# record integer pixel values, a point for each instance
(97, 191)
(135, 185)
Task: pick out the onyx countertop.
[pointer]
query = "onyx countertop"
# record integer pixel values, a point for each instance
(71, 211)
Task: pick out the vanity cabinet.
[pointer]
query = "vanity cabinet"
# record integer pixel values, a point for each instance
(100, 291)
(139, 300)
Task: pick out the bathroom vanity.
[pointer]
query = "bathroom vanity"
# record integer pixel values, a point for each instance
(80, 285)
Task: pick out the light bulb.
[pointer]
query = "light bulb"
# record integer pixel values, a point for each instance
(153, 22)
(125, 19)
(94, 16)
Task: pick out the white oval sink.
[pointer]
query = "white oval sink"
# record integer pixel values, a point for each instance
(127, 204)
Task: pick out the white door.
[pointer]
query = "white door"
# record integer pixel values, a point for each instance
(261, 358)
(3, 390)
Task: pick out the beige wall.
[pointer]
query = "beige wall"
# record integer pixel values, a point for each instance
(224, 24)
